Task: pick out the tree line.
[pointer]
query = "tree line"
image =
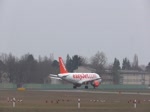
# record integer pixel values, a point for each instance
(27, 69)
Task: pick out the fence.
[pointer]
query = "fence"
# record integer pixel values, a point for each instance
(8, 86)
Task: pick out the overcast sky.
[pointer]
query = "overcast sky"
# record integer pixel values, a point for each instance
(119, 28)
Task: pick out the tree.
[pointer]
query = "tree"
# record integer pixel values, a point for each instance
(55, 64)
(76, 61)
(98, 62)
(135, 65)
(2, 66)
(115, 71)
(28, 68)
(69, 63)
(11, 67)
(46, 66)
(148, 67)
(126, 64)
(84, 61)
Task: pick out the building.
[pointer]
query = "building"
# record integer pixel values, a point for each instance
(134, 77)
(128, 77)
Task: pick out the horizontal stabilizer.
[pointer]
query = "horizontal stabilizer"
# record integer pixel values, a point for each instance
(55, 78)
(53, 75)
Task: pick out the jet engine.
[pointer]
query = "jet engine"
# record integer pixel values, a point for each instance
(95, 83)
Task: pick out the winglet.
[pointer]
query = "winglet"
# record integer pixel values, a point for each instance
(62, 66)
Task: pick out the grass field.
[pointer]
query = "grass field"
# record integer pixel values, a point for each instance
(50, 101)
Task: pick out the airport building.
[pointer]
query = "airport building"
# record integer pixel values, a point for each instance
(126, 76)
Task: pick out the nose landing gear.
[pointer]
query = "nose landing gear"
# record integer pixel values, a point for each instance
(74, 87)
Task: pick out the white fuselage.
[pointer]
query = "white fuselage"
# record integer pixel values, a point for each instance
(79, 78)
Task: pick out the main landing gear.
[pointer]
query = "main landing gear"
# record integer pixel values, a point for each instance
(74, 87)
(86, 85)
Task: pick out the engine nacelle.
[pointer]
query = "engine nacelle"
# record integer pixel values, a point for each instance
(96, 83)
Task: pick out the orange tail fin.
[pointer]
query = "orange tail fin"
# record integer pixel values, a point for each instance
(62, 66)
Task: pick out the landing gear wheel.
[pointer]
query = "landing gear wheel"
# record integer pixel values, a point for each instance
(86, 87)
(74, 87)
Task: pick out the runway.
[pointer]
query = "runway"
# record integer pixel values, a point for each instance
(97, 92)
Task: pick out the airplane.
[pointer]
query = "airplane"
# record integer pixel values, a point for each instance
(77, 79)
